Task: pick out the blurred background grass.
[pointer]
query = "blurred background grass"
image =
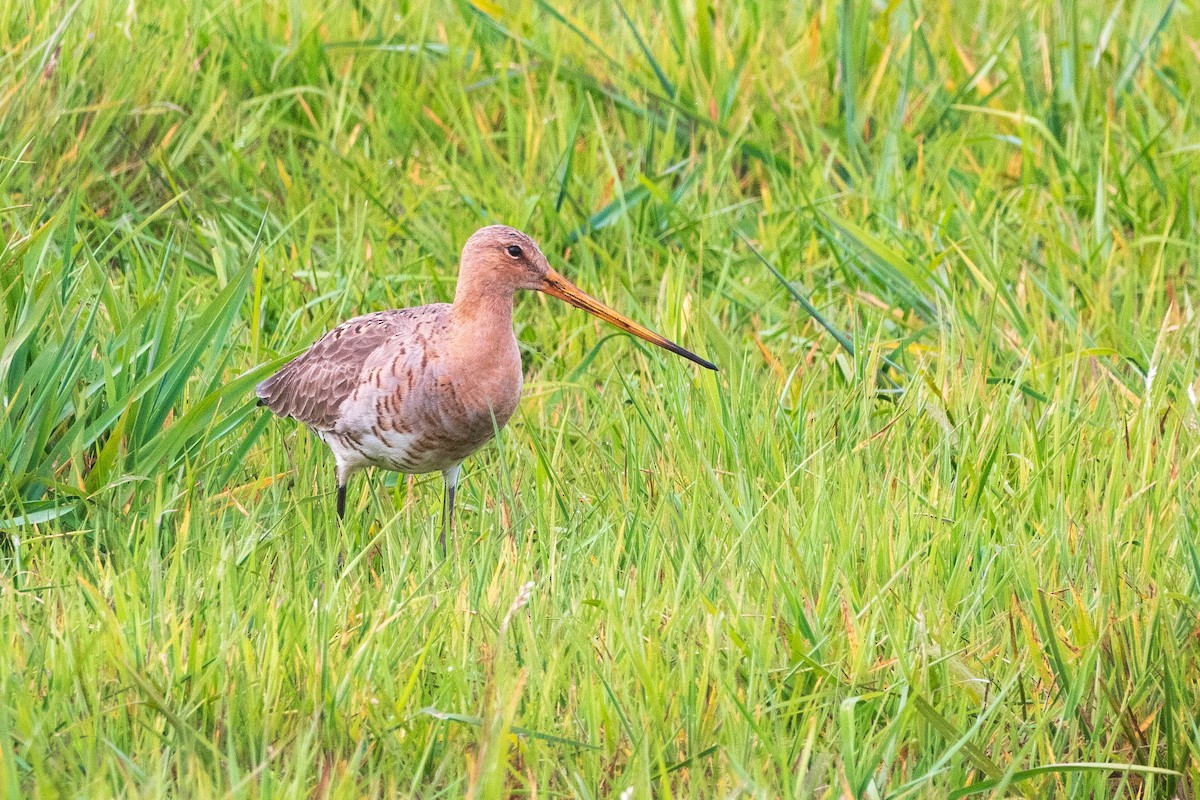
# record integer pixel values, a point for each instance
(931, 531)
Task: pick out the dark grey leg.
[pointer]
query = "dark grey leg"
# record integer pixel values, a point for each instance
(450, 478)
(343, 478)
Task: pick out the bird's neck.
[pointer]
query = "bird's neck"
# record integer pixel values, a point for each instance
(482, 320)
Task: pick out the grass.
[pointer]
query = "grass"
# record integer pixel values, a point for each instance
(930, 532)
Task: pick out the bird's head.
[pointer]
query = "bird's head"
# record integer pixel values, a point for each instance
(500, 260)
(505, 258)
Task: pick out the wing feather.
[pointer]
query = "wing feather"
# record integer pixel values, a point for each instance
(312, 387)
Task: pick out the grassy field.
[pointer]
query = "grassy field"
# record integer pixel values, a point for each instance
(932, 531)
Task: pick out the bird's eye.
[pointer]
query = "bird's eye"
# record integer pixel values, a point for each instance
(514, 251)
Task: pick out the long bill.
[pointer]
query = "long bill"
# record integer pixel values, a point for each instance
(556, 285)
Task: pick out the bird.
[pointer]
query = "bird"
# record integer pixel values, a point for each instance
(418, 390)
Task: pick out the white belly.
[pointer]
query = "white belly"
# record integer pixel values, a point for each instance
(430, 427)
(410, 453)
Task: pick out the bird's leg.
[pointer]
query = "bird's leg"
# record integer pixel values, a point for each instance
(445, 512)
(343, 477)
(450, 479)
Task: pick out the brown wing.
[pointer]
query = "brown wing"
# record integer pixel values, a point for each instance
(312, 387)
